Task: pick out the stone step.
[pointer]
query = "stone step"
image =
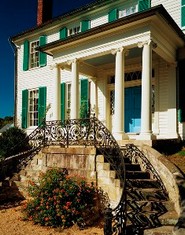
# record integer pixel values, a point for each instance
(152, 218)
(142, 183)
(163, 230)
(150, 194)
(146, 206)
(8, 193)
(127, 160)
(137, 175)
(169, 218)
(132, 167)
(21, 186)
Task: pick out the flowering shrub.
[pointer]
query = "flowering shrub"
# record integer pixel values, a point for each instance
(62, 200)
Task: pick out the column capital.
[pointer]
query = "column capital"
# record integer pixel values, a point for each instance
(121, 49)
(149, 42)
(69, 62)
(53, 66)
(94, 79)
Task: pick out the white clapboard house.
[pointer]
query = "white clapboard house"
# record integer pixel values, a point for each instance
(122, 59)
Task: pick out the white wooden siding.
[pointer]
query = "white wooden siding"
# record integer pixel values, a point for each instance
(172, 6)
(99, 21)
(163, 98)
(53, 36)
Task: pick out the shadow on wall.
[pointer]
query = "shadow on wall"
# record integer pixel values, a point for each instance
(168, 147)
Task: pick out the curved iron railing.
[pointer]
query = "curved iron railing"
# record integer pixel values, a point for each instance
(137, 156)
(140, 220)
(87, 132)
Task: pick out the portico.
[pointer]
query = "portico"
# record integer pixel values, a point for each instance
(104, 53)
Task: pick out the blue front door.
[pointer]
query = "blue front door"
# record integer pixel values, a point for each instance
(133, 109)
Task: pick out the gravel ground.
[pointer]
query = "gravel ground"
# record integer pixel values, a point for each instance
(11, 223)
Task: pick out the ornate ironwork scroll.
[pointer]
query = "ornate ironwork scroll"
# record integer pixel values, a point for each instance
(144, 207)
(136, 156)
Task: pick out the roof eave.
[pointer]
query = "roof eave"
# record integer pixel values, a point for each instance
(111, 25)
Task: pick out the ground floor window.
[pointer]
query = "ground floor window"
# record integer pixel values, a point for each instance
(33, 107)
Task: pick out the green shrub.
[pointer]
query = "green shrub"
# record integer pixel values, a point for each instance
(13, 141)
(60, 200)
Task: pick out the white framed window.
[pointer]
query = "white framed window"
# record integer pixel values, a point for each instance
(74, 30)
(33, 98)
(34, 55)
(127, 11)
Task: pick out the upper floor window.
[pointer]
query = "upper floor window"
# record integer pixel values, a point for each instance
(127, 11)
(74, 30)
(34, 54)
(31, 57)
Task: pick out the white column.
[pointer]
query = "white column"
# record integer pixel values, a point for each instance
(74, 90)
(93, 95)
(56, 93)
(172, 113)
(146, 112)
(119, 95)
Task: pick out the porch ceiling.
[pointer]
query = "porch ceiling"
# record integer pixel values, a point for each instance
(110, 59)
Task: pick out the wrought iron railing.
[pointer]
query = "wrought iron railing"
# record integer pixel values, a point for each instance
(137, 156)
(86, 132)
(140, 220)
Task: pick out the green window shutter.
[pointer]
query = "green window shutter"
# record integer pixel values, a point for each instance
(24, 108)
(42, 104)
(84, 99)
(183, 16)
(63, 33)
(181, 93)
(26, 56)
(85, 25)
(42, 55)
(183, 2)
(143, 5)
(113, 15)
(63, 100)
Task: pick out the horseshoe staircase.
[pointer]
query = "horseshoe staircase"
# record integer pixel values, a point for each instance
(144, 204)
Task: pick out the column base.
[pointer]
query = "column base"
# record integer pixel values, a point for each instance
(120, 135)
(146, 136)
(172, 135)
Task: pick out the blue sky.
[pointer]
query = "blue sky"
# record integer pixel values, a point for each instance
(15, 17)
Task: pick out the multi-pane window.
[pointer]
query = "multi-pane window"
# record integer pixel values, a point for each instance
(136, 75)
(74, 30)
(34, 55)
(127, 11)
(33, 107)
